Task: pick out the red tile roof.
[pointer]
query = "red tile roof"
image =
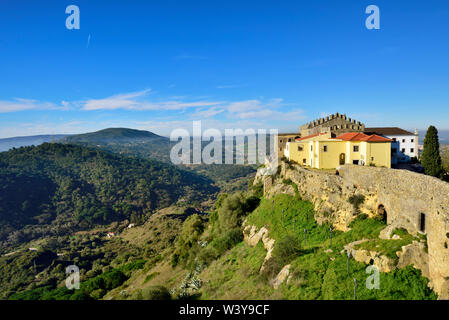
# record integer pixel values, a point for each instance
(358, 136)
(376, 138)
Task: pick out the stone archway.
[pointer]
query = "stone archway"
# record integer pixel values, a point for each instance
(381, 211)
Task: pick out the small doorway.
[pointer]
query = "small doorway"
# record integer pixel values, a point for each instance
(342, 158)
(422, 222)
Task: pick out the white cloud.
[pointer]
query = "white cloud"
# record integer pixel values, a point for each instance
(136, 101)
(19, 104)
(257, 109)
(208, 113)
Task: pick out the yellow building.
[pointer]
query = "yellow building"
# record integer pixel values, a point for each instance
(321, 151)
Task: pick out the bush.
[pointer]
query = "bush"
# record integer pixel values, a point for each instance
(229, 240)
(231, 213)
(252, 203)
(155, 293)
(220, 199)
(187, 241)
(356, 200)
(257, 189)
(285, 250)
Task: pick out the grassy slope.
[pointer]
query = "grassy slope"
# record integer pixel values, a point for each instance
(316, 274)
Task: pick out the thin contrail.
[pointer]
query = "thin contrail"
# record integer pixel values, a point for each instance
(88, 42)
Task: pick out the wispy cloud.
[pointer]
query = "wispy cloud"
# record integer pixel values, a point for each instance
(137, 101)
(256, 109)
(207, 113)
(165, 114)
(20, 104)
(144, 101)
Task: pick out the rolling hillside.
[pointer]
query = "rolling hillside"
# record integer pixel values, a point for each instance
(147, 145)
(17, 142)
(60, 188)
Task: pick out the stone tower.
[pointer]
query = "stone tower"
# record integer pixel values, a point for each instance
(336, 124)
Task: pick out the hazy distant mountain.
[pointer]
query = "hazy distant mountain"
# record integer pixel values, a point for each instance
(124, 141)
(115, 135)
(17, 142)
(442, 134)
(147, 145)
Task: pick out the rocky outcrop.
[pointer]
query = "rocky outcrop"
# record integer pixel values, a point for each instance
(383, 263)
(415, 202)
(415, 254)
(280, 278)
(252, 237)
(280, 188)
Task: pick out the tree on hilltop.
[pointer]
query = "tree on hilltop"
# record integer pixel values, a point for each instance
(431, 158)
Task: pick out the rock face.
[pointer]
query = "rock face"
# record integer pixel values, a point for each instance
(415, 202)
(415, 254)
(252, 237)
(383, 263)
(280, 278)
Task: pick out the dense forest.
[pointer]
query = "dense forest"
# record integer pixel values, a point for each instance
(53, 189)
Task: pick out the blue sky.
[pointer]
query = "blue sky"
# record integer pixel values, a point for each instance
(159, 65)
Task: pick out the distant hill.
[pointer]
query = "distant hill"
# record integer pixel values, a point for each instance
(147, 145)
(17, 142)
(443, 135)
(58, 188)
(115, 135)
(125, 141)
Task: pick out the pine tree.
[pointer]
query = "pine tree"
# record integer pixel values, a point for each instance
(431, 158)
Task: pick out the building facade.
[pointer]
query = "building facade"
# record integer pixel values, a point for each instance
(404, 144)
(322, 151)
(283, 139)
(336, 124)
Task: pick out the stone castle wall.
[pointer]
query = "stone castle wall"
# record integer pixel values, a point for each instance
(337, 124)
(404, 195)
